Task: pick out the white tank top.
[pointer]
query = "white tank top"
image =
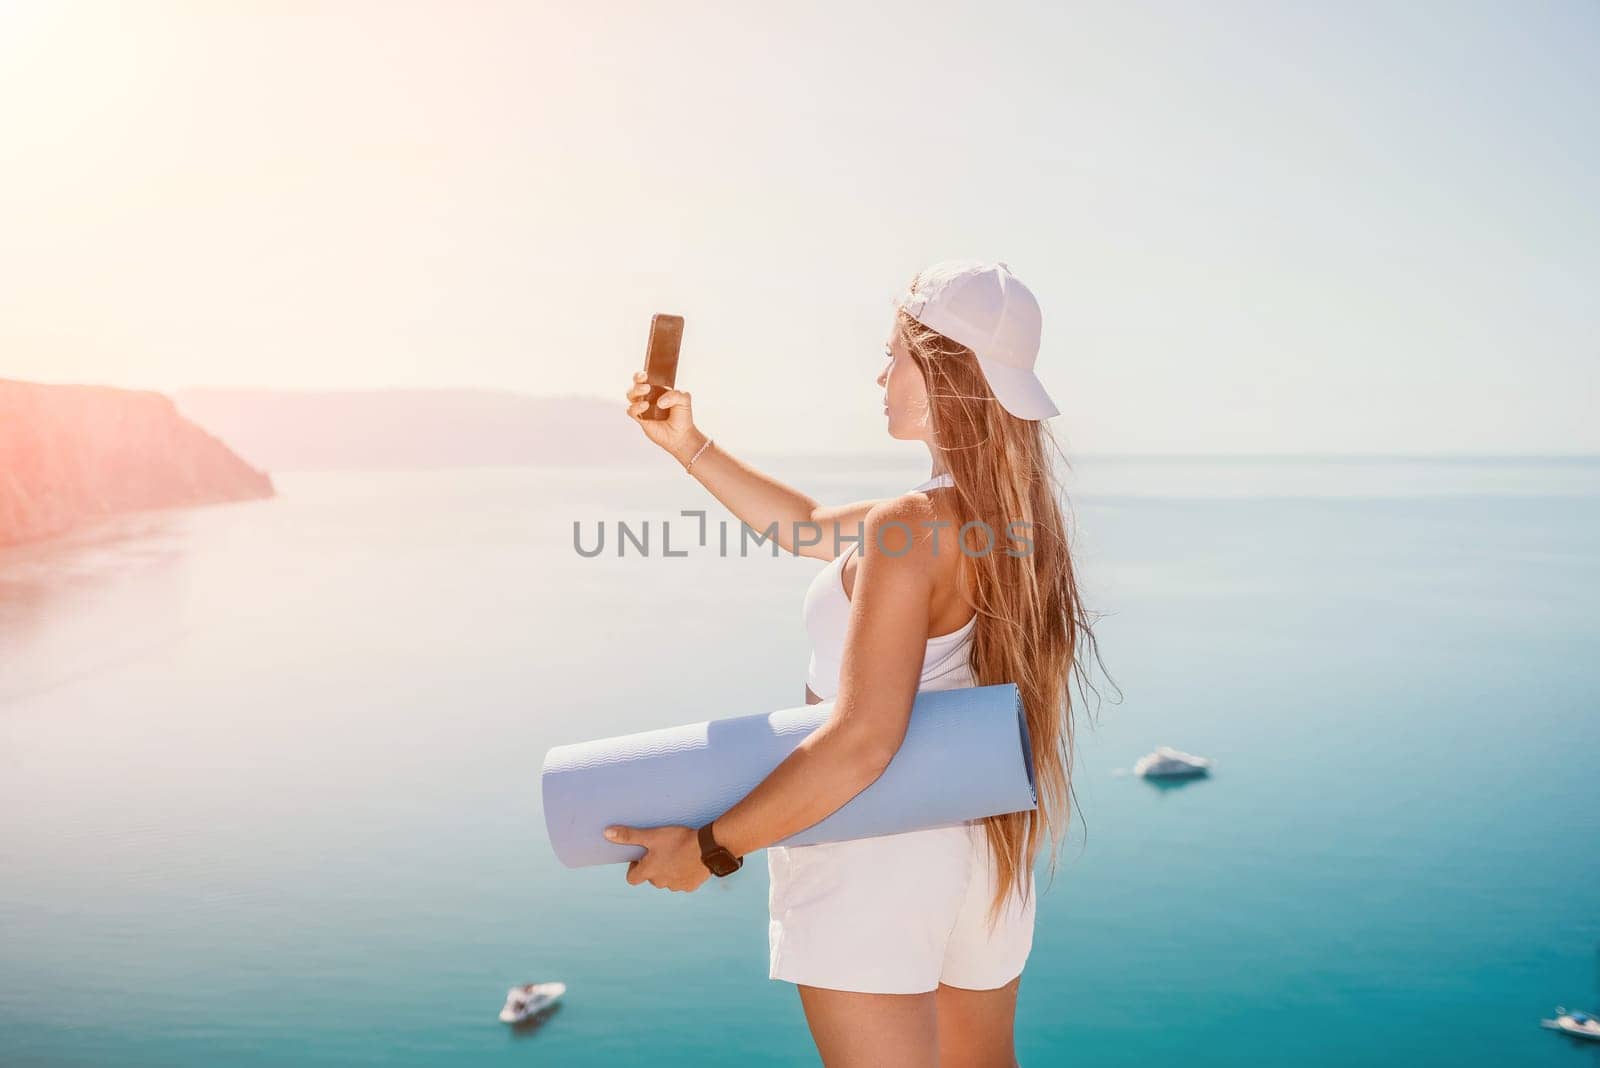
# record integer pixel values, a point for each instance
(827, 612)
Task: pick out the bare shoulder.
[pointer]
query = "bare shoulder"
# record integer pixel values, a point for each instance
(910, 529)
(910, 552)
(837, 525)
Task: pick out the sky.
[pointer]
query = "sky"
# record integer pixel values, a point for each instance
(1252, 227)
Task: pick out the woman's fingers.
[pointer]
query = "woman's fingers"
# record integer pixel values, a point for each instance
(636, 875)
(639, 402)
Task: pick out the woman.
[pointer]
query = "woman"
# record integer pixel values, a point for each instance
(909, 948)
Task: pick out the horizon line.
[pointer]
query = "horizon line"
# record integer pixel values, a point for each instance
(1165, 454)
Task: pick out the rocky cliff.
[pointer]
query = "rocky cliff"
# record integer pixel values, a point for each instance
(73, 453)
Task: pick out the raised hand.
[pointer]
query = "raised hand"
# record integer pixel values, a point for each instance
(676, 433)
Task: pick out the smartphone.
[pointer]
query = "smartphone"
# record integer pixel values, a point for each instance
(661, 360)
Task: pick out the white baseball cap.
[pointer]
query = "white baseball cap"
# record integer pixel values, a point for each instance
(987, 308)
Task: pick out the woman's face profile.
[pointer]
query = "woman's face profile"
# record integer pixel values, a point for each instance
(905, 393)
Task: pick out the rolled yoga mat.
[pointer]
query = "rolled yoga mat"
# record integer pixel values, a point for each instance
(966, 755)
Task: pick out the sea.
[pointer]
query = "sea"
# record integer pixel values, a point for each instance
(269, 771)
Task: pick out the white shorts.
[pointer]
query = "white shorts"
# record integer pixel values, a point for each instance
(894, 914)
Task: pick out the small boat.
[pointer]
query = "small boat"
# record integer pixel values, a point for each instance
(1169, 763)
(1577, 1024)
(526, 1002)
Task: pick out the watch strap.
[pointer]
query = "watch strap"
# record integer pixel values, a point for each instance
(716, 857)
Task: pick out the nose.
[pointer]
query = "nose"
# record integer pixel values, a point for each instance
(883, 375)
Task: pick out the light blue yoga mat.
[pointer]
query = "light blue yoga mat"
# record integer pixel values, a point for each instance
(966, 755)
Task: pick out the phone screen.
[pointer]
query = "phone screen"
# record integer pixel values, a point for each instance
(661, 359)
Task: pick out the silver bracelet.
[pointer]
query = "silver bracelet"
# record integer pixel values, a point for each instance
(697, 453)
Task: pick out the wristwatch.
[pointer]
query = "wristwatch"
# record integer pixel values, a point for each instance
(717, 858)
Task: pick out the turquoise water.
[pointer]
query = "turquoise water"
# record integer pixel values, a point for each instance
(269, 772)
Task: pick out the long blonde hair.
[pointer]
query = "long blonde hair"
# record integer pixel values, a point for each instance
(1032, 627)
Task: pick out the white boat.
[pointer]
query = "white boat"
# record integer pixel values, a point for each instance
(1169, 763)
(1578, 1024)
(526, 1002)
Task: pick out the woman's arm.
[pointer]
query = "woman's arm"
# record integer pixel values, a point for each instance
(885, 641)
(757, 499)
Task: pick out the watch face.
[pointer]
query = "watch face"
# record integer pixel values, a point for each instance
(721, 862)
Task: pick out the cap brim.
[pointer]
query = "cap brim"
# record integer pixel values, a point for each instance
(1018, 390)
